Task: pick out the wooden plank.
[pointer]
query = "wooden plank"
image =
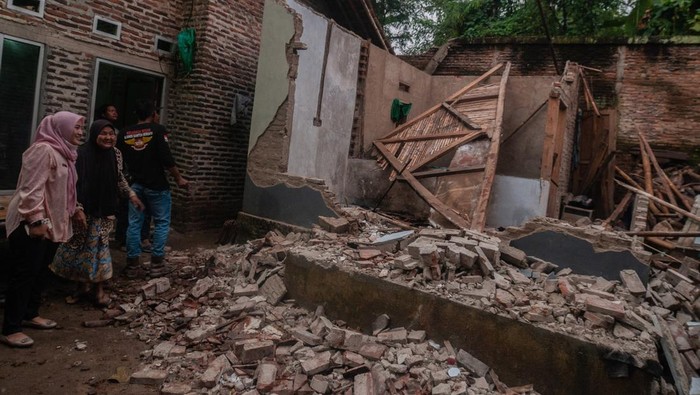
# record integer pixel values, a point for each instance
(479, 215)
(424, 137)
(673, 358)
(652, 233)
(588, 94)
(422, 191)
(470, 137)
(450, 99)
(634, 183)
(447, 172)
(626, 200)
(475, 97)
(661, 202)
(668, 183)
(462, 117)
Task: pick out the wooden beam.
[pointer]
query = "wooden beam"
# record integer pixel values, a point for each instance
(648, 181)
(470, 137)
(621, 207)
(588, 94)
(661, 202)
(634, 183)
(672, 189)
(673, 357)
(437, 58)
(447, 172)
(479, 215)
(422, 191)
(475, 97)
(451, 99)
(651, 233)
(462, 117)
(423, 137)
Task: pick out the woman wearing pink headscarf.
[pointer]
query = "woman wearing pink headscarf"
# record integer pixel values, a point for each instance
(38, 219)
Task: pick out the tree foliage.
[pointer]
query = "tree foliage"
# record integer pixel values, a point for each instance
(415, 25)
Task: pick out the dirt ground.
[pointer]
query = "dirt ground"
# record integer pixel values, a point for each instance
(55, 366)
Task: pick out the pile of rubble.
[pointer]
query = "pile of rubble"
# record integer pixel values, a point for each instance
(219, 322)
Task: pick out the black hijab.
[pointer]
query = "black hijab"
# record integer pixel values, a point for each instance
(97, 187)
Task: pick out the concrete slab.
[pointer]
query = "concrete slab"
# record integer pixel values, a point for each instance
(568, 251)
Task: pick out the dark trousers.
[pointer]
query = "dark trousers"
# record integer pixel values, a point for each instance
(28, 270)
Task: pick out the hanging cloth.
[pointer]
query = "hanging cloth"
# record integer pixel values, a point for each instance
(186, 45)
(399, 111)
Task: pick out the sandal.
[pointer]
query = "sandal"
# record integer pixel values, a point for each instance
(23, 342)
(102, 300)
(44, 323)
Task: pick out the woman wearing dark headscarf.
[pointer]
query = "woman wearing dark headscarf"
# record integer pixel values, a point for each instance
(85, 258)
(38, 218)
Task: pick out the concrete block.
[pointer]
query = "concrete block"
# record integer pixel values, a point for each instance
(491, 251)
(393, 336)
(467, 258)
(372, 350)
(306, 337)
(567, 290)
(634, 284)
(596, 320)
(162, 350)
(334, 225)
(513, 256)
(210, 377)
(266, 375)
(201, 287)
(245, 290)
(416, 336)
(674, 277)
(368, 253)
(612, 308)
(273, 289)
(363, 384)
(441, 389)
(148, 376)
(472, 364)
(175, 389)
(319, 363)
(484, 263)
(256, 350)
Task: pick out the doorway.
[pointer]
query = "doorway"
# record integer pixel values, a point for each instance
(123, 86)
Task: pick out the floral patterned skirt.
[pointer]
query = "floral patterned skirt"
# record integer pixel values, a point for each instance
(86, 257)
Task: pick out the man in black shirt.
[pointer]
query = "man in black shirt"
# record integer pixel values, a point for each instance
(147, 156)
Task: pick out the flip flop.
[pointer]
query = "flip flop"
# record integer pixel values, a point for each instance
(47, 324)
(24, 342)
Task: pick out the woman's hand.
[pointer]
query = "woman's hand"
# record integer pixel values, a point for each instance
(39, 232)
(79, 219)
(137, 202)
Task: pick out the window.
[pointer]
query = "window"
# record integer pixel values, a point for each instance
(20, 77)
(31, 7)
(123, 86)
(164, 46)
(106, 27)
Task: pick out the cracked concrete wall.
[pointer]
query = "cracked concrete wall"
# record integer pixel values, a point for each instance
(321, 151)
(272, 83)
(293, 162)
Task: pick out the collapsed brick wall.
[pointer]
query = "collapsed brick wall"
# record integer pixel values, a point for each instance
(653, 86)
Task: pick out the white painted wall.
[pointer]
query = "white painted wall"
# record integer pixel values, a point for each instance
(322, 151)
(514, 200)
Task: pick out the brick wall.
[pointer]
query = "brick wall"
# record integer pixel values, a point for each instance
(210, 150)
(653, 85)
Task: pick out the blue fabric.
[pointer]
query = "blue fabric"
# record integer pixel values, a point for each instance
(158, 203)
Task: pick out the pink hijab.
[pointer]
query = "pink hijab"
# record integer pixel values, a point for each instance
(55, 130)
